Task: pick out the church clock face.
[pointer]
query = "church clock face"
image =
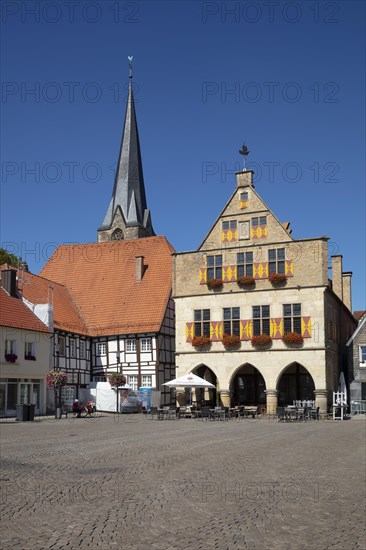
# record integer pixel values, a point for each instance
(117, 235)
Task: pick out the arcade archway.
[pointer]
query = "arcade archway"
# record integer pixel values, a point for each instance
(201, 395)
(248, 386)
(295, 384)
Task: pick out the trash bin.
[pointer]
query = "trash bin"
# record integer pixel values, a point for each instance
(31, 408)
(22, 412)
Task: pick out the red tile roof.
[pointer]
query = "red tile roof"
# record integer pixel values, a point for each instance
(358, 314)
(39, 290)
(101, 278)
(14, 313)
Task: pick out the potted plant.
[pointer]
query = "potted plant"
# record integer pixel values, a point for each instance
(293, 338)
(201, 341)
(262, 340)
(29, 358)
(214, 283)
(277, 278)
(11, 357)
(230, 340)
(246, 281)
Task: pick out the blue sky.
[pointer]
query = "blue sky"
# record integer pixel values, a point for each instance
(286, 78)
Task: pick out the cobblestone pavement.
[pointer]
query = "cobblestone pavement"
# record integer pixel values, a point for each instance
(130, 482)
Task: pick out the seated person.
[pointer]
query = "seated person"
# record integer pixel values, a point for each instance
(77, 407)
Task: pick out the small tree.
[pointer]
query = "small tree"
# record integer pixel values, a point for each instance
(56, 379)
(117, 380)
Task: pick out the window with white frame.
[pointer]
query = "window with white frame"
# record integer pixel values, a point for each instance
(101, 348)
(61, 345)
(100, 379)
(147, 380)
(130, 344)
(362, 350)
(72, 346)
(29, 350)
(145, 344)
(9, 346)
(132, 380)
(82, 349)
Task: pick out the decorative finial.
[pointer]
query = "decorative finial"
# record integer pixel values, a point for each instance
(130, 58)
(244, 151)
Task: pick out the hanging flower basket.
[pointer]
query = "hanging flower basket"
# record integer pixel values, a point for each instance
(56, 379)
(263, 340)
(246, 281)
(293, 338)
(116, 380)
(230, 340)
(214, 283)
(201, 341)
(11, 357)
(277, 278)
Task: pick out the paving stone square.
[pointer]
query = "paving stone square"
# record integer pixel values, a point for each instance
(131, 482)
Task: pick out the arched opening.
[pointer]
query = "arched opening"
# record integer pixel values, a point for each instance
(295, 384)
(205, 396)
(248, 386)
(117, 235)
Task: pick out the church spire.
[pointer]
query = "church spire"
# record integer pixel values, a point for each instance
(128, 216)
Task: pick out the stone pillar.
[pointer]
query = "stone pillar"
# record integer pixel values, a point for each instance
(180, 397)
(271, 401)
(321, 400)
(225, 398)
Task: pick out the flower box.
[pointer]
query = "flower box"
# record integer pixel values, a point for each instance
(246, 281)
(29, 358)
(262, 340)
(116, 380)
(230, 341)
(277, 278)
(293, 338)
(11, 357)
(214, 283)
(201, 341)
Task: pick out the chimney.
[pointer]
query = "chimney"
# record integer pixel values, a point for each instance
(347, 296)
(139, 267)
(244, 178)
(9, 282)
(337, 276)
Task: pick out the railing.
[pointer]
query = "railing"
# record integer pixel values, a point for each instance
(358, 407)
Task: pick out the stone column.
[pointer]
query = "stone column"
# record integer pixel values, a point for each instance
(225, 398)
(271, 401)
(180, 397)
(321, 400)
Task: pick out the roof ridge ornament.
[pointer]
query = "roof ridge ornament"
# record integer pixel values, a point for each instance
(244, 152)
(130, 59)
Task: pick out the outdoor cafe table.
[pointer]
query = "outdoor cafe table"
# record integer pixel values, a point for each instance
(167, 414)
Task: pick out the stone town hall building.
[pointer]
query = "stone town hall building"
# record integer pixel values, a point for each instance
(229, 291)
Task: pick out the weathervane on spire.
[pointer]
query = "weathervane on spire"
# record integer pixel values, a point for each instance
(130, 58)
(244, 151)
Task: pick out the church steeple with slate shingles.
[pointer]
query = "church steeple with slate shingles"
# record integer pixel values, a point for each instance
(128, 216)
